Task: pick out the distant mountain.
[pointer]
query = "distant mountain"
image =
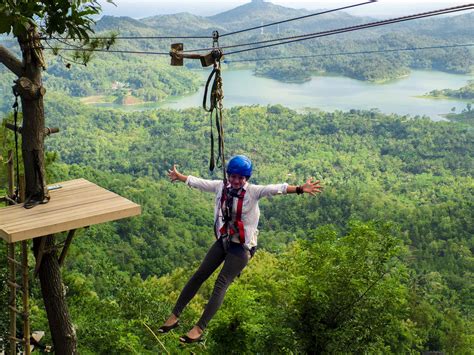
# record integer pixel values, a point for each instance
(108, 23)
(439, 30)
(252, 14)
(182, 23)
(446, 27)
(260, 12)
(255, 12)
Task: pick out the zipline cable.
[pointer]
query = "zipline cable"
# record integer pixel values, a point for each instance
(63, 41)
(109, 51)
(235, 32)
(298, 38)
(148, 37)
(344, 29)
(287, 57)
(304, 36)
(69, 60)
(349, 53)
(280, 58)
(297, 18)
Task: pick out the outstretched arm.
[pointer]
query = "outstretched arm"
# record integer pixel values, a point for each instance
(192, 181)
(310, 187)
(175, 175)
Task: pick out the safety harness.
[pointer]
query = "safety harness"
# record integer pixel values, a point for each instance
(230, 226)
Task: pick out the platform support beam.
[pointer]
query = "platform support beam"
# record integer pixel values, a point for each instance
(67, 243)
(39, 257)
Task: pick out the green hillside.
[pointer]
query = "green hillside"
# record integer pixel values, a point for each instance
(381, 262)
(397, 190)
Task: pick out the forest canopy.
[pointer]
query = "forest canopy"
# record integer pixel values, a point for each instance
(412, 173)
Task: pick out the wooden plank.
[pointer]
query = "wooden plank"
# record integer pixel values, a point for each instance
(105, 216)
(64, 193)
(90, 207)
(87, 220)
(12, 212)
(71, 215)
(19, 215)
(60, 201)
(79, 203)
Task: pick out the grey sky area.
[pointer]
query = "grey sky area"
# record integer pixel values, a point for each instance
(382, 8)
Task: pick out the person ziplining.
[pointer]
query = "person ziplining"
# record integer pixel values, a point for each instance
(236, 211)
(236, 216)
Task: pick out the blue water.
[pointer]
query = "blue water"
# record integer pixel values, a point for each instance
(331, 93)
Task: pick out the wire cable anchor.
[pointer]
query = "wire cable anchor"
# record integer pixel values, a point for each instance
(215, 55)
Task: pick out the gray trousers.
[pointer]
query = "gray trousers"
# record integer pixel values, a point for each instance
(235, 259)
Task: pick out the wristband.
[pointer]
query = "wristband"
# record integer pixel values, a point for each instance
(299, 190)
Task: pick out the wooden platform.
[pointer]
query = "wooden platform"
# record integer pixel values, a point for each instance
(79, 203)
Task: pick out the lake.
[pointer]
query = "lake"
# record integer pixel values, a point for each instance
(330, 93)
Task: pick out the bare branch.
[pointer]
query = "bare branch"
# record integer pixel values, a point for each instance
(10, 61)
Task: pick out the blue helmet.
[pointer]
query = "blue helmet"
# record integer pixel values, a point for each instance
(241, 165)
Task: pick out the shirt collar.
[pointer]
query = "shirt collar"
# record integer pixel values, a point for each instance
(245, 187)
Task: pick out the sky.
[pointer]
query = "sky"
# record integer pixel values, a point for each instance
(382, 8)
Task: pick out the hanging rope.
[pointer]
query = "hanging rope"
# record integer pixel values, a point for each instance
(215, 107)
(15, 117)
(220, 120)
(215, 110)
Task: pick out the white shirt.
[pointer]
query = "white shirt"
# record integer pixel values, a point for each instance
(250, 209)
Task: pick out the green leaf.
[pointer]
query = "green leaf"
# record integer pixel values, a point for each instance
(6, 25)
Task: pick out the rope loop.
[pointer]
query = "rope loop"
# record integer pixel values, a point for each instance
(15, 118)
(215, 109)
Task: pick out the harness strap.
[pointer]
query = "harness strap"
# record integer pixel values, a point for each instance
(238, 218)
(239, 225)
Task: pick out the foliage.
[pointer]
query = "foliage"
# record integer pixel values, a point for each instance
(465, 117)
(466, 92)
(329, 276)
(149, 80)
(414, 172)
(74, 18)
(328, 293)
(323, 56)
(7, 143)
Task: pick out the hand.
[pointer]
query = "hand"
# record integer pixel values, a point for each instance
(173, 174)
(311, 187)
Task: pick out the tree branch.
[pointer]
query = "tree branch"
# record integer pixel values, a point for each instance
(10, 61)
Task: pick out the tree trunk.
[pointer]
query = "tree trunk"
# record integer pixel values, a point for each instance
(29, 87)
(52, 289)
